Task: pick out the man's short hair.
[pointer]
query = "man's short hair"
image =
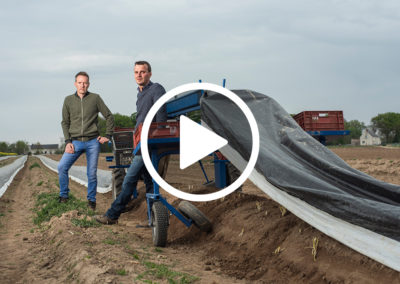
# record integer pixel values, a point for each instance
(142, 62)
(82, 73)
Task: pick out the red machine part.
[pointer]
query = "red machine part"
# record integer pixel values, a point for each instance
(158, 130)
(320, 120)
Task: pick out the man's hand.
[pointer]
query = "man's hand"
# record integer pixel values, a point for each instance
(102, 140)
(69, 148)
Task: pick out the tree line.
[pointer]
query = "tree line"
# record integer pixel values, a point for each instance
(385, 125)
(22, 147)
(19, 147)
(388, 125)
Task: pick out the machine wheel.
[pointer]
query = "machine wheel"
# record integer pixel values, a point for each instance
(159, 222)
(199, 219)
(118, 176)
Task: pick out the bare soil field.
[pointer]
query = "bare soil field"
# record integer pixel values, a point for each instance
(382, 163)
(251, 242)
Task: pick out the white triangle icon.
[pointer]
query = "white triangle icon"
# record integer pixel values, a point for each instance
(196, 142)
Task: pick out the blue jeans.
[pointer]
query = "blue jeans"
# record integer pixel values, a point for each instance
(131, 179)
(92, 149)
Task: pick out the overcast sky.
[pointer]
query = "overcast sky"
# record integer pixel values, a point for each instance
(307, 55)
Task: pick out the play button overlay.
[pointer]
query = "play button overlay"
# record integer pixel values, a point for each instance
(255, 147)
(196, 142)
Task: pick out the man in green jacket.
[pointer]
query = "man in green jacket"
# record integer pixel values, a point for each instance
(80, 127)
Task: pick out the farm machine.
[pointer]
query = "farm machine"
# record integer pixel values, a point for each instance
(163, 141)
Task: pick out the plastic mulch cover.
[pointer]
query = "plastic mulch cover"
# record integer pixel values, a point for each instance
(296, 163)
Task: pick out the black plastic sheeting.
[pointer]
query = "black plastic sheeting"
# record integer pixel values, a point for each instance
(293, 161)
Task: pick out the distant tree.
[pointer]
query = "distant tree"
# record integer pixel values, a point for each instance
(121, 120)
(4, 147)
(21, 147)
(12, 148)
(355, 128)
(388, 125)
(38, 147)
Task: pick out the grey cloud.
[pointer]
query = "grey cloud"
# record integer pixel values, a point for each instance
(307, 55)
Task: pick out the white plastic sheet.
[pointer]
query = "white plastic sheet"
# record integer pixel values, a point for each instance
(7, 173)
(380, 248)
(78, 174)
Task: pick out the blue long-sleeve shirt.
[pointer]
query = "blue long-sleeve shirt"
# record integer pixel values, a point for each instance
(146, 99)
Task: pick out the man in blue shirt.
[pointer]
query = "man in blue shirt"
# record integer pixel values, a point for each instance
(148, 94)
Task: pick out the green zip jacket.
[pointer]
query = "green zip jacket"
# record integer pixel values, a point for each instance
(80, 116)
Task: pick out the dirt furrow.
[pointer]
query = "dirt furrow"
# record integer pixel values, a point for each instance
(60, 252)
(253, 241)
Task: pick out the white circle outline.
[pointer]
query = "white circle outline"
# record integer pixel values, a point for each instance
(254, 132)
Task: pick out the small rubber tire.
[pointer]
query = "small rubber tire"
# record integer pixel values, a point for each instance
(118, 176)
(192, 212)
(159, 224)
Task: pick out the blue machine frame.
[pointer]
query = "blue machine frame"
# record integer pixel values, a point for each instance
(179, 106)
(156, 153)
(184, 104)
(321, 134)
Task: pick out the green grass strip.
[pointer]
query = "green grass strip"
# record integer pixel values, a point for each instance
(34, 165)
(162, 271)
(47, 206)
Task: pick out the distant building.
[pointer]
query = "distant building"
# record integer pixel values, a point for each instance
(44, 149)
(368, 137)
(355, 142)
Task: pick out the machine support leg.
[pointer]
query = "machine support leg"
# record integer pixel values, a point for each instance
(204, 172)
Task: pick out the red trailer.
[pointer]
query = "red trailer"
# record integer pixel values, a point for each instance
(320, 120)
(320, 124)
